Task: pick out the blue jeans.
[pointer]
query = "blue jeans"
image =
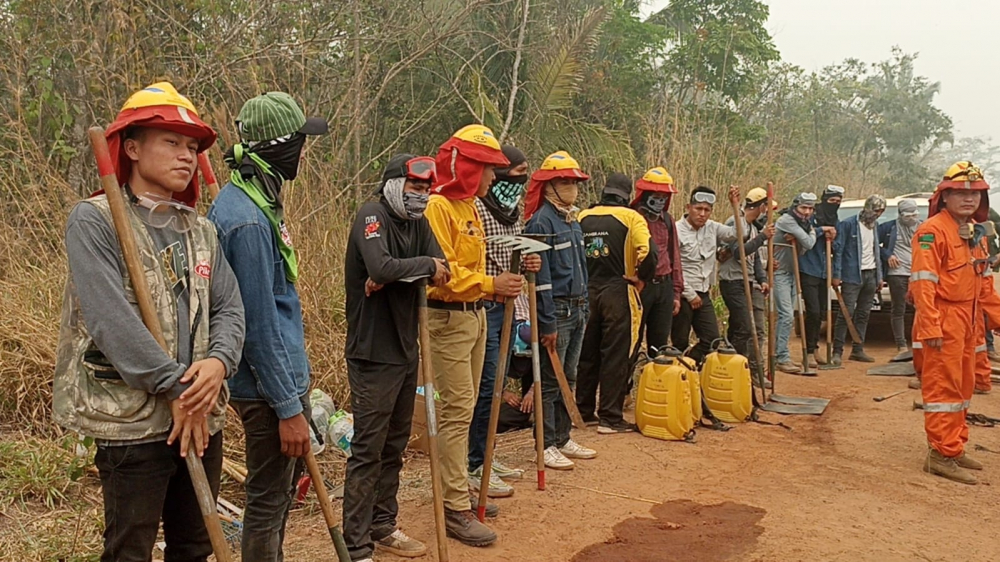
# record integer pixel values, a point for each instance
(480, 425)
(783, 294)
(571, 320)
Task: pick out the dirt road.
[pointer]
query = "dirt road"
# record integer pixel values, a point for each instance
(846, 485)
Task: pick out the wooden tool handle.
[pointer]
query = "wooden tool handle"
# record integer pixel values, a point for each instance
(324, 503)
(498, 382)
(130, 252)
(748, 294)
(802, 309)
(536, 373)
(205, 165)
(847, 317)
(569, 399)
(432, 430)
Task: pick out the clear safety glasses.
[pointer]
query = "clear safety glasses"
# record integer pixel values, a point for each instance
(703, 197)
(166, 213)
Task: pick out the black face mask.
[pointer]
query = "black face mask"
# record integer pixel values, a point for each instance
(826, 213)
(284, 157)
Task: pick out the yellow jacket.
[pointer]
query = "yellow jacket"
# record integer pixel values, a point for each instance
(459, 232)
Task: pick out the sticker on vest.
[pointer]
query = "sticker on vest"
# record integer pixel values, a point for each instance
(203, 269)
(286, 236)
(372, 227)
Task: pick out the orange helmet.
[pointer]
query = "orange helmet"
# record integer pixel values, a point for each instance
(962, 175)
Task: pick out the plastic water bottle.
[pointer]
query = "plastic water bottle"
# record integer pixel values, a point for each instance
(322, 409)
(341, 431)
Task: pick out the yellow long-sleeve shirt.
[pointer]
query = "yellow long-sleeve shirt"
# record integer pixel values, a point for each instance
(459, 232)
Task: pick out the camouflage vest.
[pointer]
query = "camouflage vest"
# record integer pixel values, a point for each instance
(89, 395)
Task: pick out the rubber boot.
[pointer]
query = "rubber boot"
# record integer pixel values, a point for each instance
(466, 528)
(967, 462)
(946, 467)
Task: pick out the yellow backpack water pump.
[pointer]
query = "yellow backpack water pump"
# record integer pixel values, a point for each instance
(663, 408)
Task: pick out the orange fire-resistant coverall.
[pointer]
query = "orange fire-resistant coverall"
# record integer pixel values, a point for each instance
(950, 293)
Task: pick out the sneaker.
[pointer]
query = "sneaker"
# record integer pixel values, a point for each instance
(365, 560)
(914, 384)
(980, 391)
(498, 488)
(574, 450)
(993, 355)
(818, 359)
(861, 357)
(617, 427)
(967, 462)
(464, 527)
(492, 511)
(590, 420)
(556, 461)
(812, 362)
(903, 354)
(790, 367)
(505, 472)
(836, 359)
(946, 467)
(400, 544)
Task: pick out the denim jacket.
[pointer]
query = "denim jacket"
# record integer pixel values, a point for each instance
(564, 269)
(847, 252)
(274, 367)
(813, 262)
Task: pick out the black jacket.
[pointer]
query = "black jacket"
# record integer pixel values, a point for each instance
(382, 328)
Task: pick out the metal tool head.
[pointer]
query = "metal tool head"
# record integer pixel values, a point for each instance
(893, 370)
(523, 243)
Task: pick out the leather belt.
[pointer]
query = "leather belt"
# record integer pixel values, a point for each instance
(458, 306)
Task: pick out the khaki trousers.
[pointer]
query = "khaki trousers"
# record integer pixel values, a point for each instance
(458, 346)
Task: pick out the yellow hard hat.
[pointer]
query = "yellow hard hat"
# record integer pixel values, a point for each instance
(559, 161)
(756, 195)
(161, 93)
(478, 134)
(965, 173)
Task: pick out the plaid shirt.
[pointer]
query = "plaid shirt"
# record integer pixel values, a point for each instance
(497, 255)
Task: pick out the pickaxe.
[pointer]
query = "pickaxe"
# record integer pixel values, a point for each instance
(517, 245)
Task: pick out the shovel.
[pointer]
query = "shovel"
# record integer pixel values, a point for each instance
(806, 370)
(829, 311)
(847, 317)
(432, 430)
(517, 245)
(130, 253)
(748, 294)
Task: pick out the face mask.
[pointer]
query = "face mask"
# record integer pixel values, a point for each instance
(282, 156)
(655, 204)
(566, 194)
(508, 191)
(415, 204)
(908, 219)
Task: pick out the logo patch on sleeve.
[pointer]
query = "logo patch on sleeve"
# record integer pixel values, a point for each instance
(372, 227)
(925, 241)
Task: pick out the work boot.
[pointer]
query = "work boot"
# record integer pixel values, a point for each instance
(946, 467)
(820, 360)
(860, 356)
(400, 544)
(492, 511)
(498, 488)
(967, 462)
(836, 359)
(790, 367)
(556, 461)
(464, 527)
(574, 450)
(914, 384)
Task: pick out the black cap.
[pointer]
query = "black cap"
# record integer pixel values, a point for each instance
(395, 168)
(618, 184)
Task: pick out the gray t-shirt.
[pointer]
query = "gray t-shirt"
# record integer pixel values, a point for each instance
(903, 250)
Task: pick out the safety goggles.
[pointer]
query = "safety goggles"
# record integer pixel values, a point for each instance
(703, 197)
(806, 199)
(835, 190)
(421, 168)
(166, 213)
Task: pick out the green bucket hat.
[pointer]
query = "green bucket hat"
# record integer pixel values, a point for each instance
(274, 115)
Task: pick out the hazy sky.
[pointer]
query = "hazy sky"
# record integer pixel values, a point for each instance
(955, 40)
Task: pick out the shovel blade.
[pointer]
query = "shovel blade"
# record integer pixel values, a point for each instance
(893, 370)
(794, 409)
(830, 367)
(798, 400)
